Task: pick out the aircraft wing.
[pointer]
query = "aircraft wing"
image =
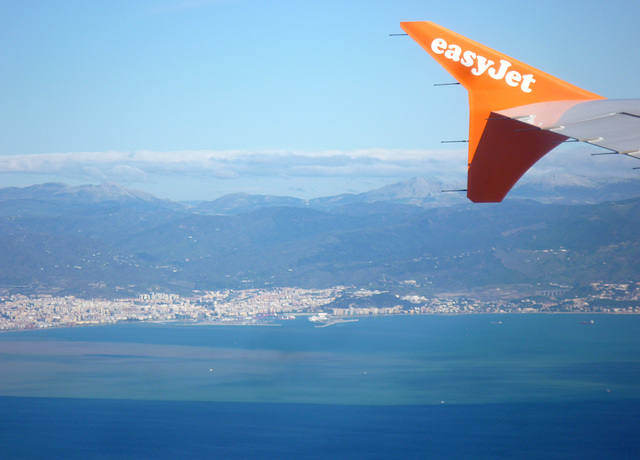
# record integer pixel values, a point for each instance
(613, 124)
(517, 113)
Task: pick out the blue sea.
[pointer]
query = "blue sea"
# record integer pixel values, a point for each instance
(472, 386)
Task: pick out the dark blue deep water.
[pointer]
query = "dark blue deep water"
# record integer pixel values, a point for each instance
(534, 386)
(38, 428)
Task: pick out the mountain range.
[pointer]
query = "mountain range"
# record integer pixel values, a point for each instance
(426, 193)
(108, 241)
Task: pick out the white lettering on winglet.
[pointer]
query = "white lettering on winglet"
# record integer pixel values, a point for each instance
(499, 71)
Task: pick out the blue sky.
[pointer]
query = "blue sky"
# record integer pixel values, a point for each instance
(192, 99)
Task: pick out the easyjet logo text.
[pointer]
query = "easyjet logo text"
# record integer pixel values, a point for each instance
(481, 64)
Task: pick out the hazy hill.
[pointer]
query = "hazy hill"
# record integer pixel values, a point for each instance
(568, 189)
(53, 240)
(55, 198)
(52, 192)
(427, 193)
(237, 203)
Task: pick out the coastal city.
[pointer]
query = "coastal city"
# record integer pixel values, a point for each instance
(324, 306)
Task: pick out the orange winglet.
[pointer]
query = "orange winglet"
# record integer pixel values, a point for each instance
(499, 152)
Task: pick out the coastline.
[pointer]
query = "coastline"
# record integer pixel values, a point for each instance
(332, 321)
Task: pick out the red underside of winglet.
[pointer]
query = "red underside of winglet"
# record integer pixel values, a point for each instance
(507, 149)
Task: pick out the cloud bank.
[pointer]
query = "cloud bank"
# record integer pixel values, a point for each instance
(234, 170)
(141, 165)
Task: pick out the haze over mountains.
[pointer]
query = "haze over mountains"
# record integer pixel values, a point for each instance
(561, 189)
(108, 241)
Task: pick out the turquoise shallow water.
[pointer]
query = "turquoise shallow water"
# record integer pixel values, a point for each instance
(535, 386)
(419, 360)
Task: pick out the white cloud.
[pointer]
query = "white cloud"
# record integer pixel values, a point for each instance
(116, 166)
(194, 174)
(583, 160)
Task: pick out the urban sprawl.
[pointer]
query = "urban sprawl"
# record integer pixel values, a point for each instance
(265, 306)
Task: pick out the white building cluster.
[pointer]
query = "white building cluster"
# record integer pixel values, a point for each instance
(34, 312)
(253, 306)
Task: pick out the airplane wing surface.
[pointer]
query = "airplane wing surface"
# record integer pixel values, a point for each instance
(517, 113)
(613, 124)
